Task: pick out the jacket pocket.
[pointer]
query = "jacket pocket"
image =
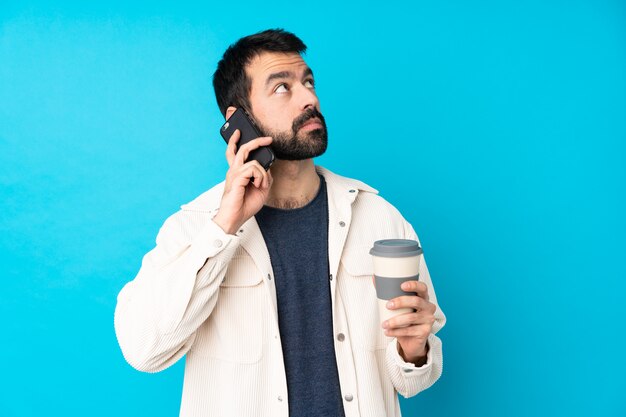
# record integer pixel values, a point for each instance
(234, 330)
(241, 272)
(359, 295)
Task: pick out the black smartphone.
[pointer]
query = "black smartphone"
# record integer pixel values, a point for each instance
(240, 120)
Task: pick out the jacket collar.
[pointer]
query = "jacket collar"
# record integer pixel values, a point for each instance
(343, 183)
(209, 201)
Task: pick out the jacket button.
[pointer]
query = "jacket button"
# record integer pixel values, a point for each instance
(331, 277)
(352, 191)
(348, 397)
(269, 276)
(217, 243)
(407, 370)
(280, 398)
(341, 337)
(342, 224)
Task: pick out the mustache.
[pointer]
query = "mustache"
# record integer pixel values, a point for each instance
(308, 114)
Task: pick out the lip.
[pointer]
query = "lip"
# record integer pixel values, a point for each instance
(312, 124)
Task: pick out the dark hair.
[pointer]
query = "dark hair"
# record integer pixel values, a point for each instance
(231, 84)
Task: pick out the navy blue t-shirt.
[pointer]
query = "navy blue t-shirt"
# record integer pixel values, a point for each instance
(297, 241)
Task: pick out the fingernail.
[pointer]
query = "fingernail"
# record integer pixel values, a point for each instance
(390, 303)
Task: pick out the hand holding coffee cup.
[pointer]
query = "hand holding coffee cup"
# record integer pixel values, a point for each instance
(396, 276)
(395, 261)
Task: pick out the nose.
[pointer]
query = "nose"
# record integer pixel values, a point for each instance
(307, 98)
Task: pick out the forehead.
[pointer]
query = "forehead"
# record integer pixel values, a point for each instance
(267, 63)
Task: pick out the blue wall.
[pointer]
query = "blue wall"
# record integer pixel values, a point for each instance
(498, 129)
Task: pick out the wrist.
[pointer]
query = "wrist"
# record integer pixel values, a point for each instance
(226, 226)
(418, 360)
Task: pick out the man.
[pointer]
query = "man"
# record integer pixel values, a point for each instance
(265, 280)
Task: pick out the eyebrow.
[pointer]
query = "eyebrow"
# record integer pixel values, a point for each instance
(285, 74)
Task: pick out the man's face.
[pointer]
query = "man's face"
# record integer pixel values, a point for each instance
(285, 105)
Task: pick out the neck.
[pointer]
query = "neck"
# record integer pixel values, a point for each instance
(295, 184)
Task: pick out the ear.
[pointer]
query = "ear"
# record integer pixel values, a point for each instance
(229, 111)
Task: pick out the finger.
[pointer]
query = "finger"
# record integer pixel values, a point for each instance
(409, 319)
(420, 332)
(264, 180)
(251, 172)
(245, 149)
(259, 173)
(257, 176)
(231, 149)
(417, 287)
(407, 301)
(401, 320)
(267, 179)
(270, 179)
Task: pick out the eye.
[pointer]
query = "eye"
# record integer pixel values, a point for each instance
(281, 88)
(309, 83)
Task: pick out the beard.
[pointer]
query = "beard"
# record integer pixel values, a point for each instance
(296, 145)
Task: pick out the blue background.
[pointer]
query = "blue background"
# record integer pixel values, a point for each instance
(497, 128)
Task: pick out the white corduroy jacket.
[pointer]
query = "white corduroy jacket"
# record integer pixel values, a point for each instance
(211, 296)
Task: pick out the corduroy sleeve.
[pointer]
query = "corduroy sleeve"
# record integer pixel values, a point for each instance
(158, 313)
(407, 379)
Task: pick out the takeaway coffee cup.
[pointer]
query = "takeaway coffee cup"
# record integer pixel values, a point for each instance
(395, 261)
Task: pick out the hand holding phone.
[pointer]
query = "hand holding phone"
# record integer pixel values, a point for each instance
(247, 183)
